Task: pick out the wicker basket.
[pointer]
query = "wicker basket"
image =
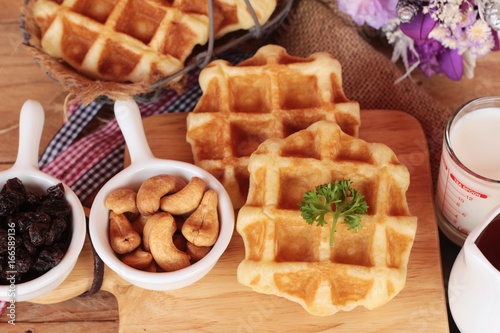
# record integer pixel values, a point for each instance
(83, 89)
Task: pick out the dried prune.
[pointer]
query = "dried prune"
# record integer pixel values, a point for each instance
(12, 196)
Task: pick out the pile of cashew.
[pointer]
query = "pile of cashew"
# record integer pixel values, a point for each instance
(168, 224)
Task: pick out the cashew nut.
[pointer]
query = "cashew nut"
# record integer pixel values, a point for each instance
(153, 188)
(180, 242)
(138, 259)
(151, 268)
(139, 222)
(164, 252)
(121, 201)
(197, 252)
(202, 227)
(146, 231)
(122, 236)
(186, 200)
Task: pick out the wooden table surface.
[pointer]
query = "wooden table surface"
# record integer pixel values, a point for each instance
(21, 78)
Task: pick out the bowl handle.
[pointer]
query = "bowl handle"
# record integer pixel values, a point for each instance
(31, 121)
(129, 119)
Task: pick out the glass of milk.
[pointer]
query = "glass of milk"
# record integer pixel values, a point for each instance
(469, 175)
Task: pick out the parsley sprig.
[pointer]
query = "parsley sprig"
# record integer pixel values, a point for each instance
(338, 199)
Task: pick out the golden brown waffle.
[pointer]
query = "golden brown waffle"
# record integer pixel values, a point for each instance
(136, 40)
(270, 95)
(287, 257)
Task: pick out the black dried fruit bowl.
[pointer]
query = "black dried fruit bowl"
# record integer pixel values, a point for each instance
(42, 222)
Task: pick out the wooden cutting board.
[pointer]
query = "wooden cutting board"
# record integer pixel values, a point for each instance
(218, 303)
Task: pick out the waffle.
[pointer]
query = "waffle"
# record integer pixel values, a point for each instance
(136, 40)
(270, 95)
(287, 257)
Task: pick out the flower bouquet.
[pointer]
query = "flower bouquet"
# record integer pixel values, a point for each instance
(437, 36)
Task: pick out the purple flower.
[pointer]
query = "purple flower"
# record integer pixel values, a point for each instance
(427, 50)
(374, 13)
(451, 64)
(420, 27)
(435, 58)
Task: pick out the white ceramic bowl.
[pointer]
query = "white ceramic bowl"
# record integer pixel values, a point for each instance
(144, 165)
(26, 169)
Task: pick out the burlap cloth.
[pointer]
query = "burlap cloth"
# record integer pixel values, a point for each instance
(368, 75)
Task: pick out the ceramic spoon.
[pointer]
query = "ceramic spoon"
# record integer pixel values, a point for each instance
(25, 168)
(142, 166)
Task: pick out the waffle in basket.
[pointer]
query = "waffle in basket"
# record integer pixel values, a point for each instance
(287, 257)
(270, 95)
(135, 40)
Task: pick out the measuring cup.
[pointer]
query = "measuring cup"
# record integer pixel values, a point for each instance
(466, 189)
(142, 166)
(25, 168)
(474, 285)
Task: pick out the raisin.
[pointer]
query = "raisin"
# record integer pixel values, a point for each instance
(23, 260)
(57, 228)
(24, 220)
(3, 240)
(3, 269)
(38, 232)
(56, 192)
(49, 237)
(6, 243)
(49, 257)
(12, 196)
(3, 222)
(32, 249)
(8, 275)
(32, 201)
(55, 208)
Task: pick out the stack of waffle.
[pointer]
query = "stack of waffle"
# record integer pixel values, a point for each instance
(275, 127)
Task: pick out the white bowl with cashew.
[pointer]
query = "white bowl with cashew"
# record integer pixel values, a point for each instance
(106, 227)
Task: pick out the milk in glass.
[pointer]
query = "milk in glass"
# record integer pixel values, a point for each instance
(469, 177)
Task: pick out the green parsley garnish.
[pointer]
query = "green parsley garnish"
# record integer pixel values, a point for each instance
(338, 199)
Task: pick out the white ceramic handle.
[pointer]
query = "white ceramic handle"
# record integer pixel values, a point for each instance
(129, 119)
(31, 121)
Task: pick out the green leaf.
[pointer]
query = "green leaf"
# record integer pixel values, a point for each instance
(340, 200)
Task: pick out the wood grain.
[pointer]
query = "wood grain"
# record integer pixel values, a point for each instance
(219, 303)
(20, 79)
(96, 313)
